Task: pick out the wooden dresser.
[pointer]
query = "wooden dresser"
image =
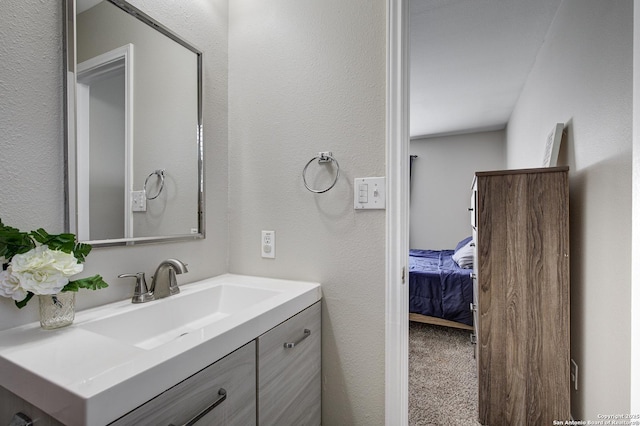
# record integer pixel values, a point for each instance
(520, 222)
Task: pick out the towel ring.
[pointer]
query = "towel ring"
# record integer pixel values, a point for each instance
(160, 174)
(322, 157)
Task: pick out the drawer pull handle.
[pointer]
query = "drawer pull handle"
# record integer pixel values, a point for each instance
(222, 395)
(290, 345)
(21, 419)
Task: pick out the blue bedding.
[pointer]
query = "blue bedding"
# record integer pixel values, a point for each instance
(438, 287)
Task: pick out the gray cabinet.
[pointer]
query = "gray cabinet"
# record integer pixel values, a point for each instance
(289, 382)
(230, 382)
(11, 404)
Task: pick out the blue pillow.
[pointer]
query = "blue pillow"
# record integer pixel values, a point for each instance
(462, 243)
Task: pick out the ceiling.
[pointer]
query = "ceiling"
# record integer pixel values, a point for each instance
(469, 60)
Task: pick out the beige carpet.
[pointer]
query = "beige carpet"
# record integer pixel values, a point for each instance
(443, 386)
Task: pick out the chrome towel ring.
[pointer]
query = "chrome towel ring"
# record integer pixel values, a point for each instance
(322, 157)
(160, 174)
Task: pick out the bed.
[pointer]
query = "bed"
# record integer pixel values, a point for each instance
(440, 286)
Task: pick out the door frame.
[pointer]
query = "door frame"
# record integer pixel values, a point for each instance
(397, 217)
(91, 70)
(635, 218)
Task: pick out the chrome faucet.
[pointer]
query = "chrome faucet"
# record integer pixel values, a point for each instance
(141, 293)
(164, 282)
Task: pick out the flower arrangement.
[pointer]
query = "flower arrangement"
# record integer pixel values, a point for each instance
(38, 263)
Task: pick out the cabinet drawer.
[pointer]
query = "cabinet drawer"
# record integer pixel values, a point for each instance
(289, 371)
(235, 373)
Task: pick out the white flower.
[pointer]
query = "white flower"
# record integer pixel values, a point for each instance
(10, 286)
(44, 271)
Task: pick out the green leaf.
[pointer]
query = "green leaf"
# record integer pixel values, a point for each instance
(95, 282)
(63, 242)
(21, 304)
(13, 242)
(81, 251)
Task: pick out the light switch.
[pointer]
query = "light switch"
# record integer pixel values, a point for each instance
(363, 193)
(369, 193)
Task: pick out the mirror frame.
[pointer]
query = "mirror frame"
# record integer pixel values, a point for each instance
(70, 130)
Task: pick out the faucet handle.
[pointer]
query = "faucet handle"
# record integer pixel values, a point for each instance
(173, 282)
(175, 266)
(141, 292)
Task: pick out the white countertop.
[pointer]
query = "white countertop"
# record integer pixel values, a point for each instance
(84, 378)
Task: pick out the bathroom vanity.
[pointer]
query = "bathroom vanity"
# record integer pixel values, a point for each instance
(234, 350)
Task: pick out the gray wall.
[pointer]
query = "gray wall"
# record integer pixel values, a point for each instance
(583, 77)
(306, 77)
(31, 125)
(441, 185)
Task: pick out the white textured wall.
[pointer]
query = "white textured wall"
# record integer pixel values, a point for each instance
(31, 141)
(31, 79)
(304, 77)
(583, 76)
(441, 185)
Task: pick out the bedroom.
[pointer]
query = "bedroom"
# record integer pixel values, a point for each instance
(589, 85)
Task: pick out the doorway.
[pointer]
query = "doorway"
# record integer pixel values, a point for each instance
(104, 146)
(397, 245)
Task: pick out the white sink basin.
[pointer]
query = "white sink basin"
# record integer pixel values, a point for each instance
(151, 324)
(118, 356)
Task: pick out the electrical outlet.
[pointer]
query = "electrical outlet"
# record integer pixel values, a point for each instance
(269, 244)
(574, 374)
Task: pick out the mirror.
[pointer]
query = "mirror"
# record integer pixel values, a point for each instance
(134, 135)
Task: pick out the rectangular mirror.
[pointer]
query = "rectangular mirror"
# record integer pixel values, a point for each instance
(134, 135)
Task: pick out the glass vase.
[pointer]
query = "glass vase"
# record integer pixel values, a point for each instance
(57, 310)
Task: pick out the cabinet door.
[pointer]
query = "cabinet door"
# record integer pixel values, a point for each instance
(235, 373)
(289, 371)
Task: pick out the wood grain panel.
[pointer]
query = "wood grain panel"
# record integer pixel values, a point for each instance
(289, 382)
(523, 296)
(236, 373)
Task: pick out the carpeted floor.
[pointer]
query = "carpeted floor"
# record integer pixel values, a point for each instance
(443, 385)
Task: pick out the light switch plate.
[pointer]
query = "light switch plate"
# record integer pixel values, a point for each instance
(138, 201)
(369, 193)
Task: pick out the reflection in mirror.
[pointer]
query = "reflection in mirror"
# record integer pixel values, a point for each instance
(138, 141)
